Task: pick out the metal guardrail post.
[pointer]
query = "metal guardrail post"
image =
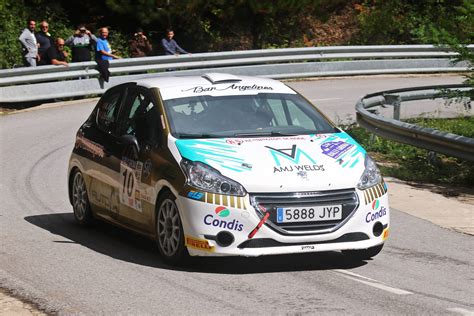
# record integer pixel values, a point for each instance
(394, 100)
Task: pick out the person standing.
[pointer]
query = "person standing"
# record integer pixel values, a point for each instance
(44, 40)
(170, 46)
(139, 45)
(81, 44)
(103, 49)
(55, 55)
(30, 46)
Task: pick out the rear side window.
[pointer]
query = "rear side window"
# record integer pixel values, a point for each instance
(108, 112)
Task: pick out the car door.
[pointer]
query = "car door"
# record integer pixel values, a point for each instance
(101, 133)
(141, 134)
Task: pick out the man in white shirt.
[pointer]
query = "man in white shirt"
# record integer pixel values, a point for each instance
(30, 46)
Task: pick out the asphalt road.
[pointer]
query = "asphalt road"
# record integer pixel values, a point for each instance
(46, 258)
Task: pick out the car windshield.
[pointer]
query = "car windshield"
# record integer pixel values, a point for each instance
(264, 114)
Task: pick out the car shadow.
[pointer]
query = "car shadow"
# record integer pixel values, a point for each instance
(124, 245)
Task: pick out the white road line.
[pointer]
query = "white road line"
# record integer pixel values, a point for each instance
(461, 311)
(371, 282)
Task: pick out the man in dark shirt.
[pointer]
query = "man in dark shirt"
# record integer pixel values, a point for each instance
(55, 55)
(139, 45)
(170, 46)
(81, 44)
(44, 40)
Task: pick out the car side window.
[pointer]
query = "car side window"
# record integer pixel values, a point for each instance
(141, 119)
(108, 111)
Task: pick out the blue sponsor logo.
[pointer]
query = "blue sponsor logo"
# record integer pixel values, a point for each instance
(195, 195)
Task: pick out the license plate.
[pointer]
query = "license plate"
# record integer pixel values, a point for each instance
(309, 214)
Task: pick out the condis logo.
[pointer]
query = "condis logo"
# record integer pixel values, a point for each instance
(370, 217)
(375, 205)
(221, 211)
(212, 220)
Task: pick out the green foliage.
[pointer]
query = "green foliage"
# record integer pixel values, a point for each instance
(12, 22)
(410, 22)
(410, 163)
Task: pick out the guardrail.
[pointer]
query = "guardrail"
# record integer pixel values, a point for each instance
(81, 79)
(427, 138)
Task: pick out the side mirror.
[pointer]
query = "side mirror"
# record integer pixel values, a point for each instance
(131, 147)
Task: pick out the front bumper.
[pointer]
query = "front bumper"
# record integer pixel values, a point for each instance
(206, 217)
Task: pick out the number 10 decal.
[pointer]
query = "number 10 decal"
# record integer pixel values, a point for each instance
(130, 178)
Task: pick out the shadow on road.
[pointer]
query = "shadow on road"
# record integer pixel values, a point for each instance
(127, 246)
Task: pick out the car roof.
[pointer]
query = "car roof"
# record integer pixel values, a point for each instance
(213, 84)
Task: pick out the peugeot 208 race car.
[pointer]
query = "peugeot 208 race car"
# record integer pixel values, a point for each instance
(221, 165)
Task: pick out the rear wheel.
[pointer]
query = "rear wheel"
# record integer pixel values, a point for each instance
(363, 254)
(169, 231)
(80, 201)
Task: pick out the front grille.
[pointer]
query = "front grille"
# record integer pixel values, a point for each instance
(271, 201)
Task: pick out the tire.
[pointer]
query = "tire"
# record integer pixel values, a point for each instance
(80, 201)
(169, 231)
(363, 254)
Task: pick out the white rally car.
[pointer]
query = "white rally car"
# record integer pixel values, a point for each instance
(226, 165)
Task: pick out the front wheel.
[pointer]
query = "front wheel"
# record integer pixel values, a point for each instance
(169, 231)
(80, 201)
(363, 254)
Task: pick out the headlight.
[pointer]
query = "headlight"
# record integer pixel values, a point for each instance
(371, 175)
(206, 178)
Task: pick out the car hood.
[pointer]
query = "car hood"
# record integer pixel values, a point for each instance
(282, 164)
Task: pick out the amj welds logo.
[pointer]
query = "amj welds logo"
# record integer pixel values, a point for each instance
(301, 160)
(216, 221)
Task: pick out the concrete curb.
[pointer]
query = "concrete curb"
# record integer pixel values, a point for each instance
(456, 213)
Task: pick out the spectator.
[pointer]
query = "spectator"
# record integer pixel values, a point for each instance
(44, 40)
(139, 45)
(55, 55)
(170, 46)
(103, 50)
(30, 46)
(81, 44)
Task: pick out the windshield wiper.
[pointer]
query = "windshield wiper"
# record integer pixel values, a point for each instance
(186, 135)
(272, 133)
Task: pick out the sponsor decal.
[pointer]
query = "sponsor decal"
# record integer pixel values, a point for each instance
(341, 147)
(233, 141)
(147, 169)
(307, 247)
(294, 155)
(373, 193)
(375, 205)
(213, 220)
(130, 178)
(240, 141)
(372, 216)
(89, 146)
(335, 149)
(385, 234)
(201, 89)
(247, 165)
(200, 244)
(222, 211)
(195, 195)
(107, 202)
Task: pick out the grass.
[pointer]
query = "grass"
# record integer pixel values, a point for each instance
(411, 163)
